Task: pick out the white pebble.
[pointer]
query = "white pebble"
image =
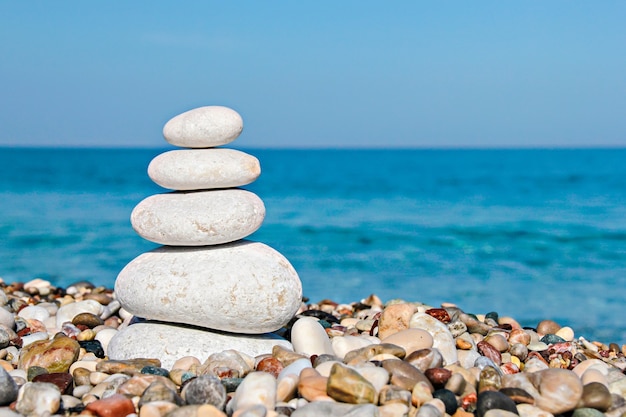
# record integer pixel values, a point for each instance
(34, 312)
(34, 337)
(104, 336)
(69, 311)
(258, 388)
(294, 368)
(309, 337)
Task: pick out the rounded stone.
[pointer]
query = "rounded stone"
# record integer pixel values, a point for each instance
(205, 389)
(169, 342)
(424, 359)
(198, 218)
(38, 398)
(54, 355)
(243, 287)
(309, 337)
(548, 327)
(448, 398)
(596, 395)
(258, 388)
(201, 169)
(203, 127)
(348, 386)
(560, 389)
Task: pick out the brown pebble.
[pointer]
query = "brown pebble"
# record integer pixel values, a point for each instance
(438, 376)
(348, 386)
(81, 376)
(285, 356)
(490, 380)
(312, 385)
(128, 367)
(87, 319)
(270, 365)
(489, 351)
(440, 314)
(596, 395)
(62, 380)
(116, 405)
(547, 327)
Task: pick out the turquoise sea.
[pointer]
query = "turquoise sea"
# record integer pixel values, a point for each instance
(528, 233)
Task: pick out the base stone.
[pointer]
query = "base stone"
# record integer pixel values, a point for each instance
(170, 342)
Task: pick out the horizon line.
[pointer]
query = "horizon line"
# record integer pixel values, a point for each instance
(167, 147)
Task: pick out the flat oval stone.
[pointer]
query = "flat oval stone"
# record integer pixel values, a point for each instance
(169, 342)
(243, 287)
(201, 169)
(410, 339)
(198, 218)
(203, 127)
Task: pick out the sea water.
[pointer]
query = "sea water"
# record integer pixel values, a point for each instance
(531, 234)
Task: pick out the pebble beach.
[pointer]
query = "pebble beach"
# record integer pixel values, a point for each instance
(366, 358)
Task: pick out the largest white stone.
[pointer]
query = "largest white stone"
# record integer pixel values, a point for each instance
(169, 342)
(243, 287)
(203, 127)
(198, 218)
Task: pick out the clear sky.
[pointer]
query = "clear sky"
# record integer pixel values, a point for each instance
(316, 73)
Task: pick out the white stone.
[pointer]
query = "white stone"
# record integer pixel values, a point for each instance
(243, 287)
(34, 337)
(69, 311)
(104, 336)
(442, 338)
(169, 342)
(40, 285)
(203, 127)
(40, 398)
(7, 318)
(309, 337)
(294, 368)
(34, 312)
(201, 169)
(376, 375)
(198, 218)
(257, 388)
(344, 344)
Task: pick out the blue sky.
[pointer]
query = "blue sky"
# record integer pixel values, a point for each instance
(316, 74)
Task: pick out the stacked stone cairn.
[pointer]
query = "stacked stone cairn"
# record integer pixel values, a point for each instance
(207, 289)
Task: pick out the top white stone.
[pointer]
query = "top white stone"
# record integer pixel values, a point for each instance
(203, 127)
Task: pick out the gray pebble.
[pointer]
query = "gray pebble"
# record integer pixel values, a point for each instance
(205, 389)
(8, 388)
